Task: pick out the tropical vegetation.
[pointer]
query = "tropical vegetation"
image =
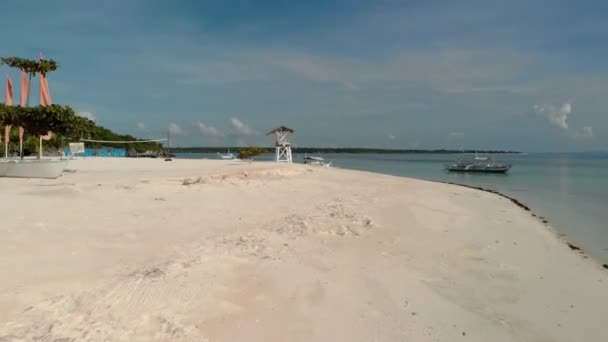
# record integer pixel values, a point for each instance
(32, 67)
(250, 152)
(66, 125)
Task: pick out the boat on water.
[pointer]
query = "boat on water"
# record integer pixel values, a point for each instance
(478, 164)
(32, 168)
(227, 156)
(478, 157)
(318, 161)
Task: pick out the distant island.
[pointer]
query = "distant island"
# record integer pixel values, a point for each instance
(352, 150)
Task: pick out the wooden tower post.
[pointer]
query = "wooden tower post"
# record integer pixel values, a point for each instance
(282, 145)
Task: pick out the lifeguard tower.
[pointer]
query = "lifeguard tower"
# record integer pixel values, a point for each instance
(282, 145)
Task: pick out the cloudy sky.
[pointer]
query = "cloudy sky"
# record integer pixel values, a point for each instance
(520, 74)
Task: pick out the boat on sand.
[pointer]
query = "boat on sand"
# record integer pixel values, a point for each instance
(32, 168)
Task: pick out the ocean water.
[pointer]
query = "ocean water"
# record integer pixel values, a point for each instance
(569, 189)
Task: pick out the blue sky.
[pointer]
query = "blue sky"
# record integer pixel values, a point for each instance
(525, 75)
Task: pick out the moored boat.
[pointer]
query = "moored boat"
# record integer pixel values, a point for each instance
(316, 161)
(479, 164)
(227, 156)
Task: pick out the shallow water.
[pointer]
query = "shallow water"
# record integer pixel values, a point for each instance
(570, 190)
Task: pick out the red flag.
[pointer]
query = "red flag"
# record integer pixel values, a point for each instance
(8, 100)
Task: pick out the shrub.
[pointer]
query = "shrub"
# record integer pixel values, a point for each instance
(250, 152)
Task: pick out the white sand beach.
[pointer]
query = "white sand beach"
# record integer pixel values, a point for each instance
(205, 250)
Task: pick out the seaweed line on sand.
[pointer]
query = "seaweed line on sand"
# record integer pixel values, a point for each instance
(526, 208)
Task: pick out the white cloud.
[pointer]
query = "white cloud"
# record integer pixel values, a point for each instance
(584, 133)
(456, 134)
(556, 116)
(559, 118)
(88, 115)
(209, 131)
(174, 129)
(391, 137)
(241, 128)
(141, 127)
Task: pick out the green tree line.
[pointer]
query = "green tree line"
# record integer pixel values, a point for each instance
(66, 126)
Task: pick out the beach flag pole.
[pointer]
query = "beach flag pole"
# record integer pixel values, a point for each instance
(23, 102)
(7, 133)
(21, 132)
(9, 102)
(45, 100)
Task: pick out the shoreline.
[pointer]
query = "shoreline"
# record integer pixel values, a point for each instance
(542, 219)
(515, 201)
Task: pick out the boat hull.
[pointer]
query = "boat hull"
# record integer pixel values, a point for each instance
(227, 156)
(316, 161)
(319, 164)
(32, 168)
(479, 169)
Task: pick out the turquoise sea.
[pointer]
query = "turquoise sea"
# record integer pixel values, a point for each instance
(569, 189)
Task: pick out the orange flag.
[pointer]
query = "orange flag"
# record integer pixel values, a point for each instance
(25, 87)
(8, 100)
(45, 94)
(45, 100)
(7, 134)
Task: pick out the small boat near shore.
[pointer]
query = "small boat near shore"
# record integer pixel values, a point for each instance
(227, 156)
(32, 168)
(318, 161)
(479, 164)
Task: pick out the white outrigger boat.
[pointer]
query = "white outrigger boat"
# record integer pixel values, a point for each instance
(227, 156)
(32, 168)
(318, 161)
(478, 164)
